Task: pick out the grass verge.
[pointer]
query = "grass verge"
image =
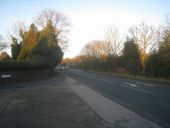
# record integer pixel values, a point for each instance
(151, 80)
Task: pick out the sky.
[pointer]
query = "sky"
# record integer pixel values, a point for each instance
(89, 19)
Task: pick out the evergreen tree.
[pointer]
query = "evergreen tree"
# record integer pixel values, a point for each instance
(154, 65)
(164, 54)
(50, 34)
(131, 57)
(47, 52)
(15, 48)
(30, 40)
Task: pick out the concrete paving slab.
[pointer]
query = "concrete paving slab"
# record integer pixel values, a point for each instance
(53, 105)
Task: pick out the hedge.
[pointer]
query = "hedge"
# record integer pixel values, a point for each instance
(19, 65)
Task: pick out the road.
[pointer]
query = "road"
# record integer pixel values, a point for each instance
(151, 101)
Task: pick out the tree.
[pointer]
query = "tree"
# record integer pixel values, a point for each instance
(4, 56)
(59, 22)
(95, 48)
(164, 51)
(30, 40)
(114, 46)
(154, 65)
(18, 30)
(55, 51)
(93, 54)
(113, 41)
(40, 46)
(131, 57)
(144, 36)
(158, 61)
(45, 55)
(16, 38)
(47, 52)
(15, 48)
(3, 45)
(98, 55)
(49, 33)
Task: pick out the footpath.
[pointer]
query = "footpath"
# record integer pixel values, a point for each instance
(61, 102)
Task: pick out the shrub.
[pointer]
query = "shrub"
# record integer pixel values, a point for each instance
(4, 56)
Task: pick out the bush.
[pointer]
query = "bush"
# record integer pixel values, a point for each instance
(4, 56)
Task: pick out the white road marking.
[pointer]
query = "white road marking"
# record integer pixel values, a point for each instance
(130, 84)
(108, 81)
(138, 89)
(145, 84)
(96, 78)
(85, 74)
(76, 70)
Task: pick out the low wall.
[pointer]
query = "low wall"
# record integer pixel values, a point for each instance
(25, 75)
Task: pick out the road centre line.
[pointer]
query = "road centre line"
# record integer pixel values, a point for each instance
(138, 89)
(130, 84)
(145, 84)
(96, 78)
(108, 81)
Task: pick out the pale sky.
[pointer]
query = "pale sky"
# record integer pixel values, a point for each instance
(89, 18)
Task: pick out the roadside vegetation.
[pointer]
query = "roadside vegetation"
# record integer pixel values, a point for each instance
(161, 81)
(144, 52)
(41, 45)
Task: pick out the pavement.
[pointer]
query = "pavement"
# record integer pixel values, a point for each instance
(62, 102)
(45, 104)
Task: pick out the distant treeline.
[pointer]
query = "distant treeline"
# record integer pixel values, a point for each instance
(145, 52)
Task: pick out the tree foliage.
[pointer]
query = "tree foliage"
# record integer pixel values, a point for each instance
(47, 52)
(40, 46)
(164, 52)
(59, 22)
(131, 56)
(144, 36)
(30, 41)
(15, 48)
(4, 56)
(113, 41)
(3, 45)
(49, 33)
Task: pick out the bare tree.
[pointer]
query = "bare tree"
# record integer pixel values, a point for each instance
(113, 41)
(100, 52)
(114, 46)
(63, 42)
(95, 49)
(60, 22)
(18, 30)
(105, 51)
(144, 36)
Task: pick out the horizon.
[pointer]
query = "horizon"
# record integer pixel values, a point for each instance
(89, 19)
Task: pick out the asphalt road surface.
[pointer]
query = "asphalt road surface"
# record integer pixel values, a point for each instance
(151, 101)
